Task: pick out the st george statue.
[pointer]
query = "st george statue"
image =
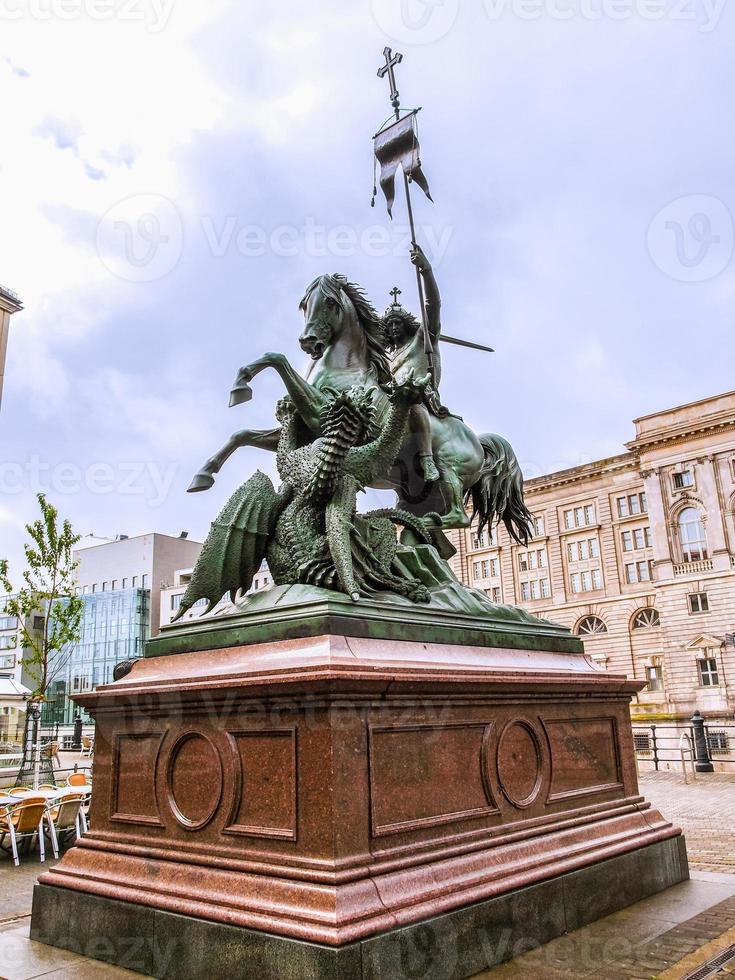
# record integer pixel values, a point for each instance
(368, 413)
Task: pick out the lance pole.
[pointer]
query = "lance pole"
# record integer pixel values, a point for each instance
(391, 60)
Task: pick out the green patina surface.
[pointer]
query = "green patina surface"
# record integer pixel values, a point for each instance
(369, 416)
(292, 611)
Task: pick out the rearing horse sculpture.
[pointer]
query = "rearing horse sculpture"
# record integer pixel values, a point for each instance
(343, 335)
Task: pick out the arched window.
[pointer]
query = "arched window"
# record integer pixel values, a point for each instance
(591, 626)
(691, 535)
(646, 619)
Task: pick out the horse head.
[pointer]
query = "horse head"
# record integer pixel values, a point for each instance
(337, 311)
(326, 307)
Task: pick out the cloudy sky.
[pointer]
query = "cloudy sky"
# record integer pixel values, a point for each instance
(173, 174)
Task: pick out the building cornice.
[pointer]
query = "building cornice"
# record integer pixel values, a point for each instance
(588, 471)
(9, 300)
(718, 422)
(679, 408)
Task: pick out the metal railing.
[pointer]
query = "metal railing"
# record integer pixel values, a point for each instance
(65, 735)
(708, 744)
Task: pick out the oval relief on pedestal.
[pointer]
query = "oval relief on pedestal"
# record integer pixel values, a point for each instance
(519, 763)
(194, 780)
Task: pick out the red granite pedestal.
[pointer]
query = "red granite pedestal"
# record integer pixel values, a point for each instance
(302, 807)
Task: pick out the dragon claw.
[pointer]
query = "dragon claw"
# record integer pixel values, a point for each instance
(284, 409)
(410, 389)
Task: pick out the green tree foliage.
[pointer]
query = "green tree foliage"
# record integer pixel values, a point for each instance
(48, 592)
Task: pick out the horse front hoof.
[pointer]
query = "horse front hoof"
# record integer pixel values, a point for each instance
(240, 394)
(201, 481)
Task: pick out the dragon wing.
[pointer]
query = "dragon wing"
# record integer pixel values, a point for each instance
(236, 544)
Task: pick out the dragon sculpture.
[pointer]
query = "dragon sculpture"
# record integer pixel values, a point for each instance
(309, 530)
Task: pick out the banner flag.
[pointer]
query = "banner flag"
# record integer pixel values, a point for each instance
(396, 145)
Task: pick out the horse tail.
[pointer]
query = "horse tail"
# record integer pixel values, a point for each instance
(497, 495)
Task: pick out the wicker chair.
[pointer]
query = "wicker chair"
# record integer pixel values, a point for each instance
(63, 820)
(77, 779)
(23, 820)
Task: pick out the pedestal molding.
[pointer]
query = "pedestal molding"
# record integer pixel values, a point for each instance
(339, 914)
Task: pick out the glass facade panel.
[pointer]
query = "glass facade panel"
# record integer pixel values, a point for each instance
(115, 626)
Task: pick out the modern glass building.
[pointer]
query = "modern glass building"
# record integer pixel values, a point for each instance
(120, 584)
(115, 626)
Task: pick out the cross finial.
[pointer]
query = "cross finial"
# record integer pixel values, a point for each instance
(391, 60)
(395, 293)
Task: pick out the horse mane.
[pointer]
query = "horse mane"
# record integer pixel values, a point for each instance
(369, 319)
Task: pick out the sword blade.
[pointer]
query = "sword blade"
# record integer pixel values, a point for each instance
(465, 343)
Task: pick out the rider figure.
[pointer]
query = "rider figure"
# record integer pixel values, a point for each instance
(406, 353)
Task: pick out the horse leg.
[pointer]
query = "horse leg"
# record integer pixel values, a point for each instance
(456, 516)
(308, 400)
(261, 439)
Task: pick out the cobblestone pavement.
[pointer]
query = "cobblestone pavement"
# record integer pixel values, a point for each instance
(664, 937)
(703, 809)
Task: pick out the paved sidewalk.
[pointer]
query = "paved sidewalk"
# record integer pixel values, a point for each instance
(664, 937)
(703, 809)
(21, 959)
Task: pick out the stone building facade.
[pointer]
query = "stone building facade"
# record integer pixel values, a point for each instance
(9, 304)
(172, 595)
(636, 554)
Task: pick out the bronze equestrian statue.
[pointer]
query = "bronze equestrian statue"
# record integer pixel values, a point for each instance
(442, 465)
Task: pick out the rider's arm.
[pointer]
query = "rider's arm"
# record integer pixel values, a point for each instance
(432, 299)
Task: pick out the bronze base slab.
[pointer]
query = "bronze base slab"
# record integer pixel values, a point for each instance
(456, 945)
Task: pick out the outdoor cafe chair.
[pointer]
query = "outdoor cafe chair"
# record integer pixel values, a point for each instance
(87, 747)
(24, 820)
(63, 820)
(77, 779)
(86, 800)
(20, 790)
(51, 752)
